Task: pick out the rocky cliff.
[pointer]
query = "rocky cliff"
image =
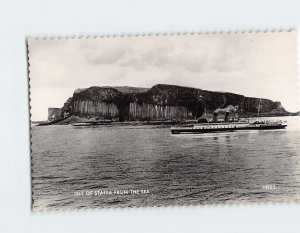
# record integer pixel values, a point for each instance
(162, 102)
(54, 114)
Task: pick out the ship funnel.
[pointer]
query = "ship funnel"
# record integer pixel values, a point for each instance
(226, 117)
(215, 118)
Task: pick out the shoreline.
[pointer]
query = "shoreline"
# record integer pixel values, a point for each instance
(83, 121)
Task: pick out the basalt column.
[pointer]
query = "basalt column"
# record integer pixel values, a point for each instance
(95, 108)
(194, 106)
(123, 108)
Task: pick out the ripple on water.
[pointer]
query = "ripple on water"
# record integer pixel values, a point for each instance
(181, 169)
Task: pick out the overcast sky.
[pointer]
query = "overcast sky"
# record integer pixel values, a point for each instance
(253, 64)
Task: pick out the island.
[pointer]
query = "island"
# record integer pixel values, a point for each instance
(160, 103)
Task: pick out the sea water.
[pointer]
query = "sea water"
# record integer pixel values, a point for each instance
(125, 166)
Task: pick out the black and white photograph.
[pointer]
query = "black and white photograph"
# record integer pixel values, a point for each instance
(164, 120)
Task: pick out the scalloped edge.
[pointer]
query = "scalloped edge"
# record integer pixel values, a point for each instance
(159, 33)
(149, 207)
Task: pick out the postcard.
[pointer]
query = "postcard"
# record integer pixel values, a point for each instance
(164, 120)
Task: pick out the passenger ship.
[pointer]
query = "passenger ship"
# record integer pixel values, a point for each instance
(228, 126)
(204, 126)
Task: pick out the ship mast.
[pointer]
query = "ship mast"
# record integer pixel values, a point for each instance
(196, 110)
(258, 109)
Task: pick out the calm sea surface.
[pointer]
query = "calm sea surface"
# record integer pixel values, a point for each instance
(71, 163)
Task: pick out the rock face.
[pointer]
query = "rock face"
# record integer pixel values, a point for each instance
(162, 102)
(54, 114)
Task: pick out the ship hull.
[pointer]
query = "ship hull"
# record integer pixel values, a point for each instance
(200, 130)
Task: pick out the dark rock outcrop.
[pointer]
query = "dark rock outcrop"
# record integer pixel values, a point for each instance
(54, 114)
(162, 102)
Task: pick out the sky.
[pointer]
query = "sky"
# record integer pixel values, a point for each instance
(253, 64)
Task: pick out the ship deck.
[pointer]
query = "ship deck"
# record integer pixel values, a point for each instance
(217, 127)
